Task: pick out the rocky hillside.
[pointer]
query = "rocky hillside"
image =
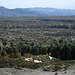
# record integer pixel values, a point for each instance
(35, 12)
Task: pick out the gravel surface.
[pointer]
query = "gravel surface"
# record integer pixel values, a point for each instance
(11, 71)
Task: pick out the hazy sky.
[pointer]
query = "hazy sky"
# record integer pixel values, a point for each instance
(63, 4)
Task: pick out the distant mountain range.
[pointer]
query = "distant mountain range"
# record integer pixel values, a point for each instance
(4, 12)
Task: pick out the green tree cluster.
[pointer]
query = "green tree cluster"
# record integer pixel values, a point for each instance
(62, 49)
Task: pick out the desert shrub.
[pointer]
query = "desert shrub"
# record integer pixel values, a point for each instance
(28, 55)
(7, 62)
(36, 58)
(14, 55)
(45, 59)
(26, 64)
(12, 63)
(56, 67)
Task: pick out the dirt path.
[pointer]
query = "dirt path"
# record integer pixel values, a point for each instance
(12, 71)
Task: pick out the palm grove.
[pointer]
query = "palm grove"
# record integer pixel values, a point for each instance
(61, 49)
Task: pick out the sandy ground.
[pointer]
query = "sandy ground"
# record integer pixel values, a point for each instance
(12, 71)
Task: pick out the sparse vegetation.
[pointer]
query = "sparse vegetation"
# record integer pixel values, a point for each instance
(36, 37)
(37, 29)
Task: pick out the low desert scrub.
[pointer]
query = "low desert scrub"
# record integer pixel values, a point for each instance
(27, 55)
(14, 55)
(47, 63)
(12, 63)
